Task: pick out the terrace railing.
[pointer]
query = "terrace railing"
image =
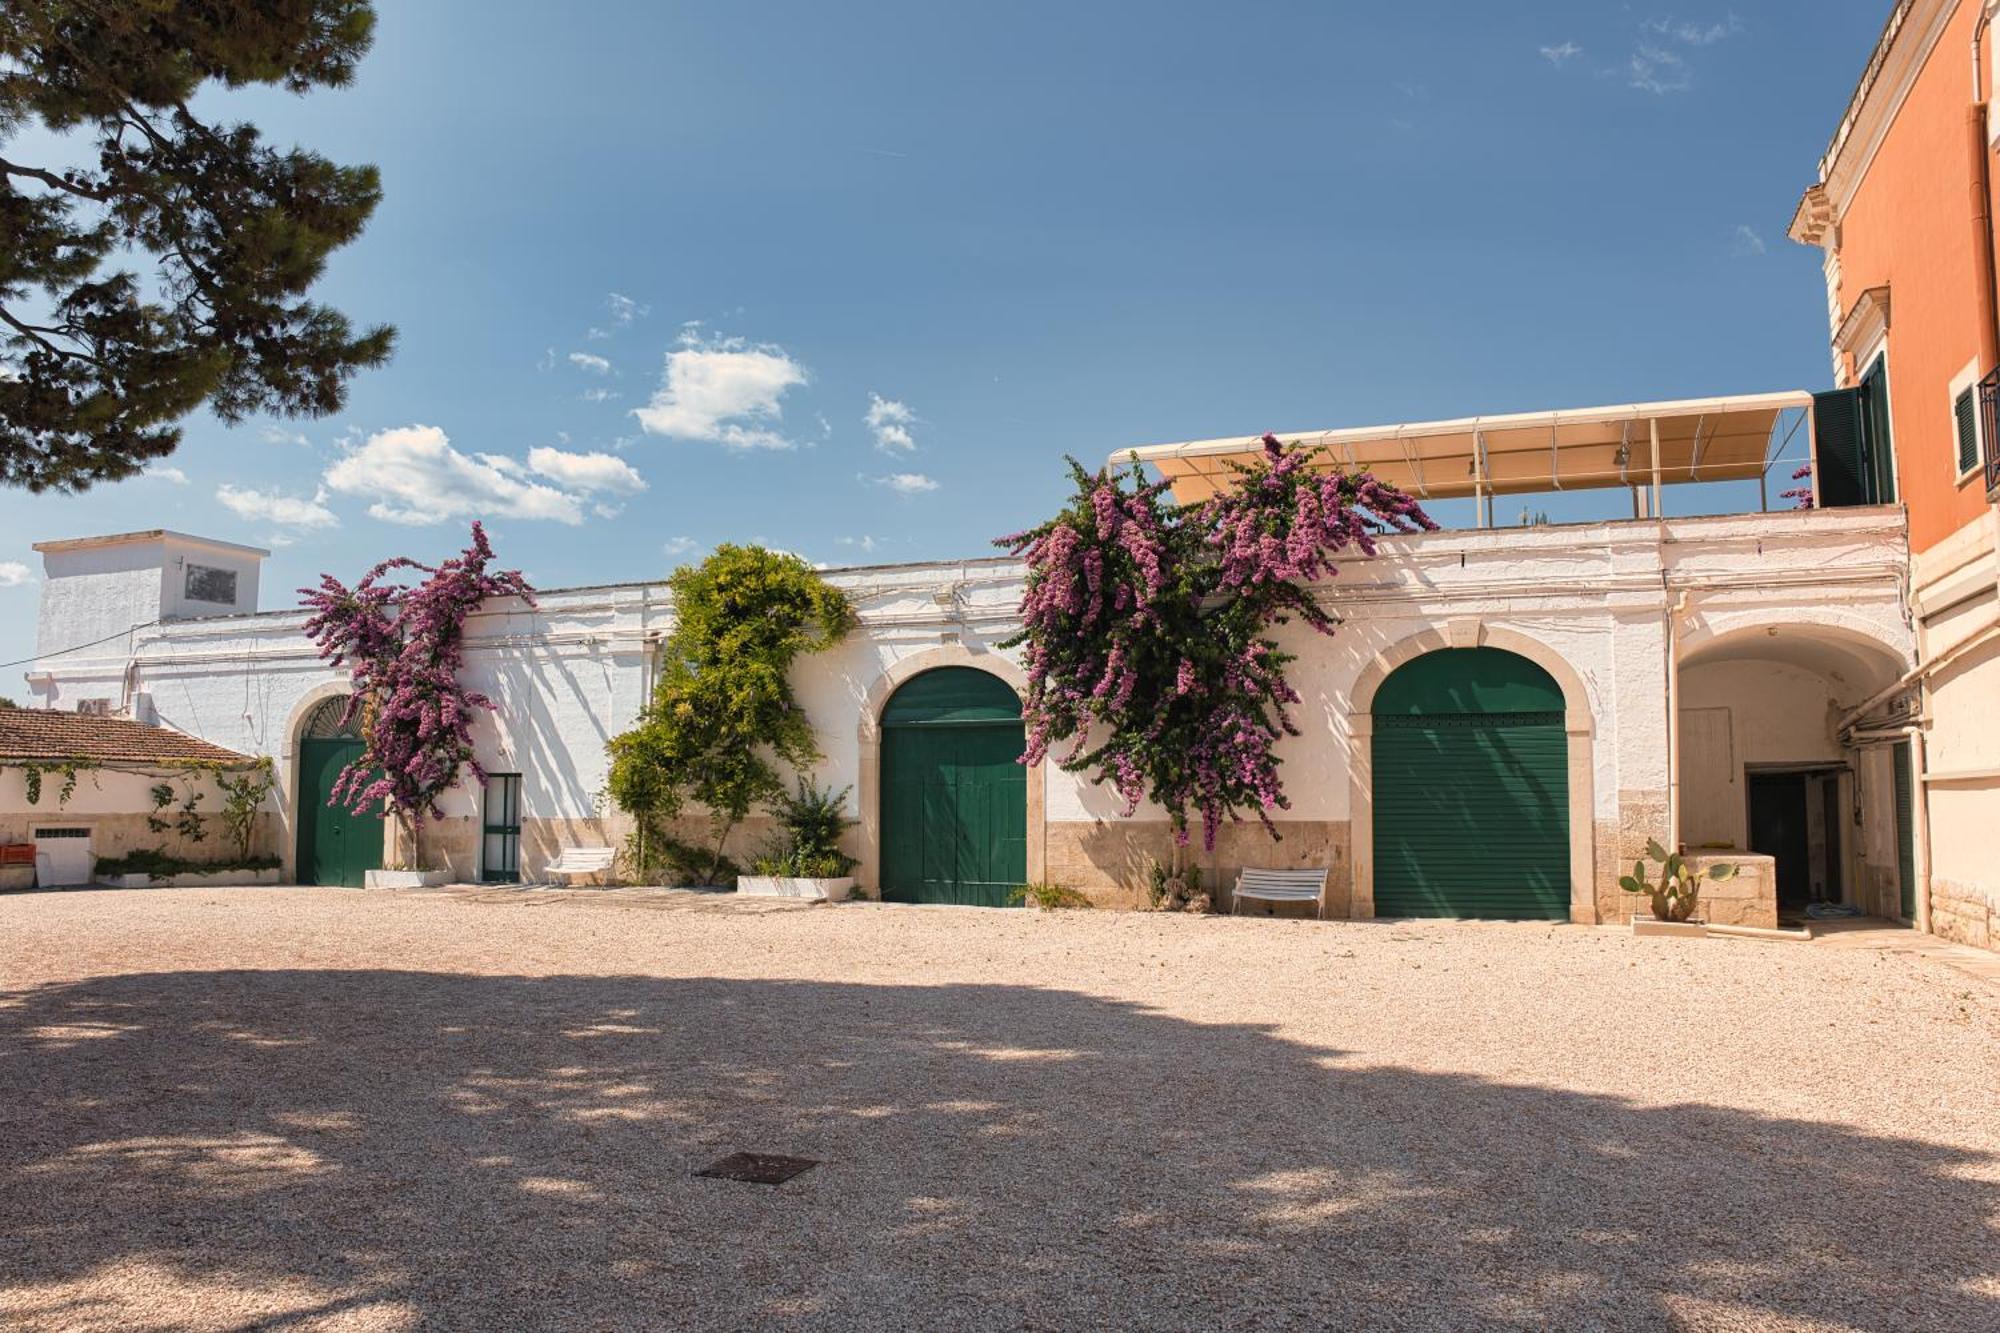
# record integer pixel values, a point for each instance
(1989, 431)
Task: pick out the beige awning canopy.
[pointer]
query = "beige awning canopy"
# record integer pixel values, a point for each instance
(1699, 439)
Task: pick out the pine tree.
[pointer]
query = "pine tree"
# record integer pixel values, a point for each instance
(98, 363)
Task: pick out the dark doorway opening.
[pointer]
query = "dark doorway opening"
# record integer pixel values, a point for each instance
(1795, 818)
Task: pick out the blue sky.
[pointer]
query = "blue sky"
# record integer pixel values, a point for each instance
(851, 279)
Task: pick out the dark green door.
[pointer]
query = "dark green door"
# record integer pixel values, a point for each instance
(1906, 827)
(954, 796)
(1471, 786)
(335, 847)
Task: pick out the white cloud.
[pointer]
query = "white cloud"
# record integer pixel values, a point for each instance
(585, 472)
(889, 421)
(1746, 242)
(596, 365)
(866, 545)
(905, 483)
(624, 309)
(1561, 55)
(599, 395)
(414, 476)
(547, 360)
(14, 574)
(725, 390)
(678, 546)
(276, 507)
(162, 472)
(279, 435)
(1695, 34)
(1658, 71)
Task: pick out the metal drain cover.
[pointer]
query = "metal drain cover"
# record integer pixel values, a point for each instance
(757, 1168)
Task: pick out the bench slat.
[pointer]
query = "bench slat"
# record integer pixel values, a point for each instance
(1297, 885)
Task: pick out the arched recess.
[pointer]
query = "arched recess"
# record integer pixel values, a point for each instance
(1578, 722)
(313, 722)
(869, 786)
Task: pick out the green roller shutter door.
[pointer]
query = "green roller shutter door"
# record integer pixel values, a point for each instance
(1471, 790)
(954, 796)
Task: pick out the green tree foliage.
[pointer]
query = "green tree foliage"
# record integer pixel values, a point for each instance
(100, 363)
(723, 717)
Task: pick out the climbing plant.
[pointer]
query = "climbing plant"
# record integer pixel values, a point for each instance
(404, 646)
(723, 716)
(1146, 626)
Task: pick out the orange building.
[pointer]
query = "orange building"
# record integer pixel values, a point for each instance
(1904, 210)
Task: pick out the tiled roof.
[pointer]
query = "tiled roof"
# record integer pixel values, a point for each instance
(44, 733)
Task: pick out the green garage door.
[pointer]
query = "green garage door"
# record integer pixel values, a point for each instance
(1471, 765)
(954, 796)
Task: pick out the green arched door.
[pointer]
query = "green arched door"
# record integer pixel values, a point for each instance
(1471, 761)
(954, 796)
(335, 845)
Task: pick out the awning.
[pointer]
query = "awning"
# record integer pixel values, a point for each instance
(1699, 439)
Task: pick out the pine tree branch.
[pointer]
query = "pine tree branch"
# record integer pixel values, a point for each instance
(33, 333)
(50, 179)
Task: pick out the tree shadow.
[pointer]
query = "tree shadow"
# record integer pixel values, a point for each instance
(264, 1149)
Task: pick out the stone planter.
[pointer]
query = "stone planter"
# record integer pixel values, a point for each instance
(776, 886)
(1646, 925)
(406, 879)
(221, 879)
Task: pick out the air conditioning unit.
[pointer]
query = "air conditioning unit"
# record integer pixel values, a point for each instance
(94, 707)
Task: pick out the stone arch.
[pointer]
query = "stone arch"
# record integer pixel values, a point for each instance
(295, 724)
(1579, 720)
(869, 783)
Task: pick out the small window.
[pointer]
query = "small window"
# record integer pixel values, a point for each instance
(1965, 412)
(207, 584)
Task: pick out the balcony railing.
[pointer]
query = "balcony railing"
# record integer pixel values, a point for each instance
(1989, 431)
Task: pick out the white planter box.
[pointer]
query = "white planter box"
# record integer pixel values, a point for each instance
(1685, 929)
(222, 879)
(772, 886)
(406, 879)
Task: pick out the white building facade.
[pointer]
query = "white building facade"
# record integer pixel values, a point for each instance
(1694, 658)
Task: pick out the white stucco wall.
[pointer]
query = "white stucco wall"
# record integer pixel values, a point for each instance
(1778, 714)
(1596, 597)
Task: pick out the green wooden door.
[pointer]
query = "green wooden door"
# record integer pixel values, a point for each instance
(335, 847)
(1471, 788)
(1906, 827)
(954, 811)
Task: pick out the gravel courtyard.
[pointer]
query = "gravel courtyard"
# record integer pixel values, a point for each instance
(308, 1108)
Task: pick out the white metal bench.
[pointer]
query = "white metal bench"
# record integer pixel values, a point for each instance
(580, 861)
(1281, 886)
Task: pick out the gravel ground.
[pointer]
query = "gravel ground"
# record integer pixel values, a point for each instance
(330, 1109)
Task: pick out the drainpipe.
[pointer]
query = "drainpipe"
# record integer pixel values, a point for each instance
(1920, 819)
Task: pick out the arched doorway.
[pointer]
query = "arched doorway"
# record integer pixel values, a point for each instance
(335, 845)
(954, 804)
(1471, 789)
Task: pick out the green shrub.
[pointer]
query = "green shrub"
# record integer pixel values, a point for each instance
(159, 865)
(810, 823)
(1049, 897)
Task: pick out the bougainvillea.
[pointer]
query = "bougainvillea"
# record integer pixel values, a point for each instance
(1146, 627)
(404, 645)
(1800, 496)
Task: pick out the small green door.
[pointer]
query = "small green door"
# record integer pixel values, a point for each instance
(1471, 787)
(1906, 827)
(954, 794)
(335, 846)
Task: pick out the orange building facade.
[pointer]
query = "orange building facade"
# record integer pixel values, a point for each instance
(1904, 211)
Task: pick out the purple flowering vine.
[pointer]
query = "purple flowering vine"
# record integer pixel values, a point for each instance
(1800, 496)
(404, 646)
(1146, 627)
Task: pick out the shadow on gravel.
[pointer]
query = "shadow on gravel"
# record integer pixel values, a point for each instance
(277, 1149)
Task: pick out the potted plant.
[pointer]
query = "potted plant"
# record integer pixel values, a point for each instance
(1675, 894)
(806, 861)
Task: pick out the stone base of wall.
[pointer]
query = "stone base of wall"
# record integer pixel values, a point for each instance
(120, 834)
(1963, 914)
(1109, 861)
(1642, 817)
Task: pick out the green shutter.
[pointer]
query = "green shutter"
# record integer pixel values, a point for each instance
(1877, 436)
(1965, 414)
(1837, 433)
(1906, 828)
(954, 809)
(1471, 789)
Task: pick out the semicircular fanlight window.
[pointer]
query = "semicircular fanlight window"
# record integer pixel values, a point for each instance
(324, 722)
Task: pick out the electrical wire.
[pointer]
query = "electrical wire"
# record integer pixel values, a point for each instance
(77, 648)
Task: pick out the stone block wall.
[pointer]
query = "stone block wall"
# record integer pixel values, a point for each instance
(1963, 914)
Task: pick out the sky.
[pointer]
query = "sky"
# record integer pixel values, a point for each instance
(851, 280)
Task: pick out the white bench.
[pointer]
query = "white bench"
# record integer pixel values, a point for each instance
(580, 861)
(1281, 886)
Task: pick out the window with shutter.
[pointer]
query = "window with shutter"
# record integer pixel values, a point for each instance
(1965, 411)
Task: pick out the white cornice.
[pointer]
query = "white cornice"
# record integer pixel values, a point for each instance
(1913, 32)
